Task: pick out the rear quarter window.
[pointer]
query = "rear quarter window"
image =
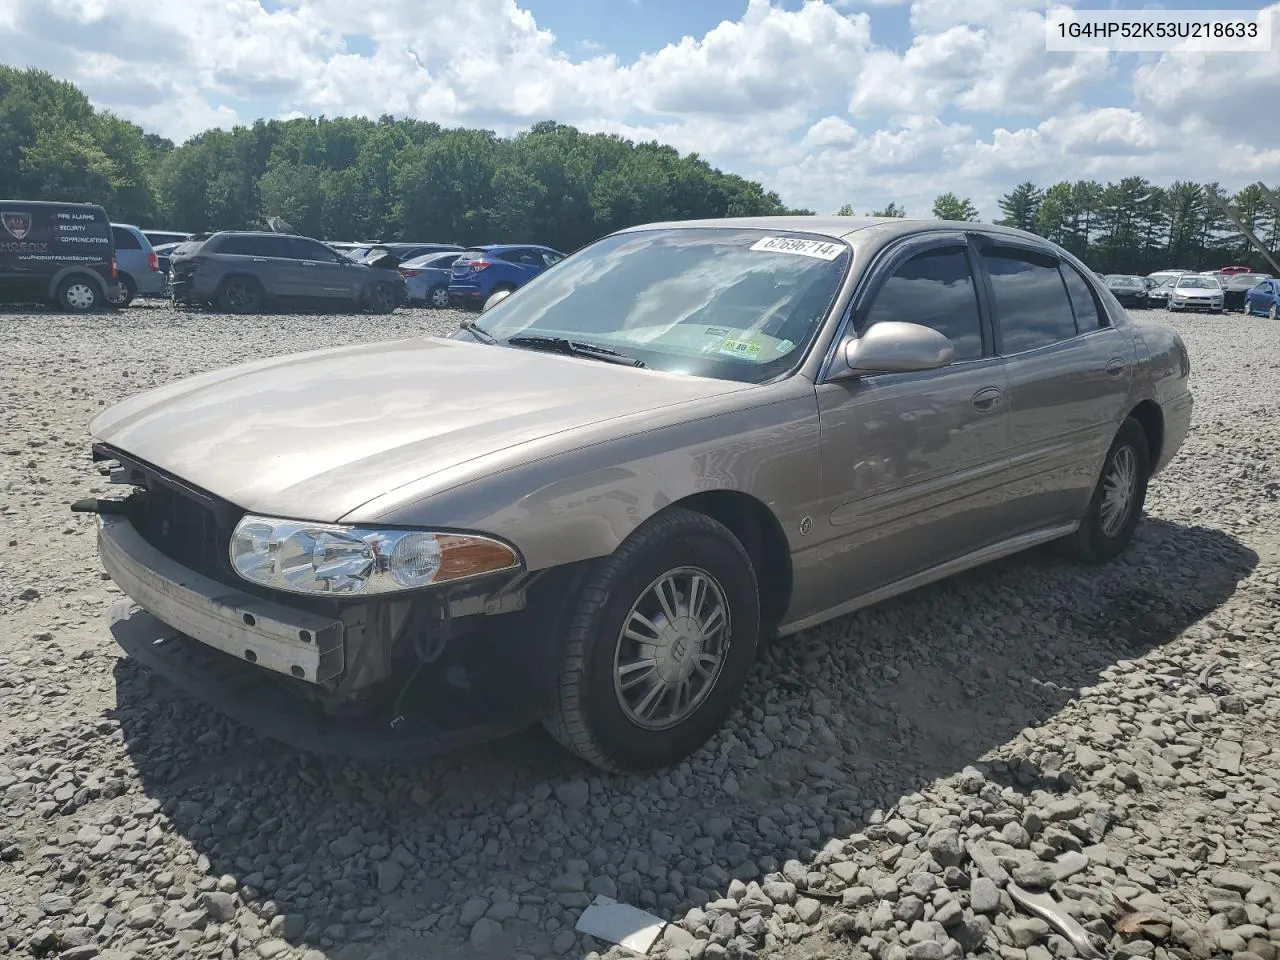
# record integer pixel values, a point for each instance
(125, 240)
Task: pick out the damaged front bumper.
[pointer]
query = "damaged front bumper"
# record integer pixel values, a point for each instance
(351, 683)
(294, 643)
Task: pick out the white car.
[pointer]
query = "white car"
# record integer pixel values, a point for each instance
(1196, 292)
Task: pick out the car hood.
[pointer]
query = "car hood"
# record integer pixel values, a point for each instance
(315, 435)
(1197, 292)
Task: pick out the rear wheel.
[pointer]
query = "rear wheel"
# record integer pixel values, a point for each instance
(79, 295)
(1271, 314)
(660, 642)
(240, 295)
(127, 290)
(1116, 505)
(438, 297)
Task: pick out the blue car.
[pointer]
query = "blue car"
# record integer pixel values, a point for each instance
(427, 278)
(483, 271)
(1264, 299)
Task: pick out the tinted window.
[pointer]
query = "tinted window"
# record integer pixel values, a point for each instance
(935, 289)
(1082, 299)
(302, 249)
(1031, 303)
(239, 246)
(124, 239)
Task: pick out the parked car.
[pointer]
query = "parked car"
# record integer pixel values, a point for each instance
(243, 272)
(483, 271)
(61, 253)
(1193, 291)
(1234, 270)
(159, 237)
(1130, 291)
(1263, 299)
(406, 251)
(426, 278)
(137, 266)
(1237, 285)
(1163, 275)
(592, 502)
(1158, 296)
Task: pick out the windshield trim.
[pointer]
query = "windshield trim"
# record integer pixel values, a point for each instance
(802, 356)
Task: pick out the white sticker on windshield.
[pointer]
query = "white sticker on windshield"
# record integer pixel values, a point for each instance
(820, 249)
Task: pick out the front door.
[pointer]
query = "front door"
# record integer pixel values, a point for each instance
(1069, 375)
(323, 273)
(912, 463)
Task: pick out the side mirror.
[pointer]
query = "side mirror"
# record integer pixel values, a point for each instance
(895, 347)
(495, 299)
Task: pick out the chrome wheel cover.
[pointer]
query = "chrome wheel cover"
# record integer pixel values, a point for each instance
(1119, 489)
(672, 648)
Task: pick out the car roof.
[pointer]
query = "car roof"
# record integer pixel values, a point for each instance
(839, 228)
(499, 247)
(50, 203)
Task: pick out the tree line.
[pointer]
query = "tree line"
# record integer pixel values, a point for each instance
(387, 179)
(1133, 226)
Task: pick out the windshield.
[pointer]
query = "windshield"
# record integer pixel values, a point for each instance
(721, 302)
(1199, 283)
(1119, 281)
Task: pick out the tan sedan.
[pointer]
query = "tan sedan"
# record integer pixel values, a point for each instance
(589, 504)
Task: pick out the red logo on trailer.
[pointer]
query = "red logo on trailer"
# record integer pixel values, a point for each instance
(17, 224)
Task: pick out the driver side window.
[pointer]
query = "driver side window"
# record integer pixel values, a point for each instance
(935, 289)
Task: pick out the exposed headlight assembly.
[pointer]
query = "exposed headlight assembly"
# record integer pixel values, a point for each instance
(326, 558)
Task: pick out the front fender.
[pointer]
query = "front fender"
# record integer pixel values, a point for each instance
(581, 504)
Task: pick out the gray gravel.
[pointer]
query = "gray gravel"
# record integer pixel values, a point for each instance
(1108, 736)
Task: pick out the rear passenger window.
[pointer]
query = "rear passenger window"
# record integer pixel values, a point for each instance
(124, 239)
(1083, 301)
(1031, 304)
(935, 289)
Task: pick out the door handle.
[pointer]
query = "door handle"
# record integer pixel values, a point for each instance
(988, 399)
(259, 259)
(1115, 367)
(308, 263)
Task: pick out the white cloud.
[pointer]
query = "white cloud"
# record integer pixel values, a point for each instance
(797, 96)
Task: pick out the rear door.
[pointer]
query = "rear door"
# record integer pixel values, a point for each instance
(1069, 375)
(525, 264)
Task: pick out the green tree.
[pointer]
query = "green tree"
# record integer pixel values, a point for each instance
(1021, 206)
(845, 211)
(892, 210)
(948, 206)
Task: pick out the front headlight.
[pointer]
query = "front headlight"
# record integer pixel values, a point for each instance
(327, 558)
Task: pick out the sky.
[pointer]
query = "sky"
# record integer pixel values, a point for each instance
(826, 102)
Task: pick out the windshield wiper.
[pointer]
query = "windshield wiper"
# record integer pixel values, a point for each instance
(478, 332)
(574, 348)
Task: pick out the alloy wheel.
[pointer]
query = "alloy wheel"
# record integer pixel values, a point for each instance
(1119, 487)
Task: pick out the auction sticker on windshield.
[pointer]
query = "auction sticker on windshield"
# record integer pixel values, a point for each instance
(820, 249)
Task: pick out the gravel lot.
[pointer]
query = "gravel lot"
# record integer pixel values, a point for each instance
(1107, 733)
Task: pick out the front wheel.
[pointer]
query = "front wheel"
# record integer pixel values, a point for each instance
(1272, 313)
(382, 298)
(660, 642)
(1116, 505)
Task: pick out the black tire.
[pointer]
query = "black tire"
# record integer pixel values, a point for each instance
(240, 295)
(1094, 542)
(588, 717)
(382, 298)
(128, 290)
(79, 294)
(438, 297)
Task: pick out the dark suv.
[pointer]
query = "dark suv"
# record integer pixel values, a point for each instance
(56, 253)
(242, 272)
